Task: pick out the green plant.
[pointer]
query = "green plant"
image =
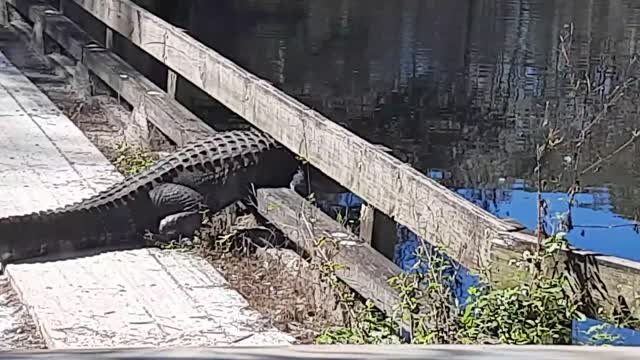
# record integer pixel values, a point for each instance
(538, 311)
(131, 160)
(367, 326)
(427, 299)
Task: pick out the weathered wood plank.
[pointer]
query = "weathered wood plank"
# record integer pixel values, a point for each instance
(367, 270)
(56, 156)
(349, 352)
(407, 196)
(108, 39)
(4, 15)
(366, 223)
(172, 83)
(160, 108)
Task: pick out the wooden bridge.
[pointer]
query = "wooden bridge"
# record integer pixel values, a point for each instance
(394, 192)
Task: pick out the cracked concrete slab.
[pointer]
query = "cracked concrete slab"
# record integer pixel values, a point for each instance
(144, 297)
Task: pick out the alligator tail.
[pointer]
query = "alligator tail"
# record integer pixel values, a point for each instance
(62, 232)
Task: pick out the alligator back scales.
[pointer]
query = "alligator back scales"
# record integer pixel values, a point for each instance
(214, 172)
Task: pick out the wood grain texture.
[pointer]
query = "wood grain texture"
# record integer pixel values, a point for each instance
(4, 16)
(56, 156)
(430, 210)
(160, 108)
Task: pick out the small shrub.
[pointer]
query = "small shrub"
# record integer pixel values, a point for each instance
(131, 160)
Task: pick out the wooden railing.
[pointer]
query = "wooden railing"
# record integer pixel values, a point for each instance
(471, 235)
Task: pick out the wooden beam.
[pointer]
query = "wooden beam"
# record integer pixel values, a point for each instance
(378, 231)
(433, 212)
(366, 223)
(385, 235)
(37, 34)
(108, 39)
(173, 119)
(345, 352)
(4, 15)
(172, 83)
(366, 272)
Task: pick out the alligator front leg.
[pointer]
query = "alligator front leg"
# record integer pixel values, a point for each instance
(183, 224)
(178, 208)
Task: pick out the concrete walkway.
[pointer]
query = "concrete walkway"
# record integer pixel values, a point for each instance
(144, 297)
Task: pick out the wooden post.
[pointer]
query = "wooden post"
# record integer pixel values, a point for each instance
(108, 39)
(81, 81)
(172, 83)
(172, 78)
(137, 130)
(378, 230)
(366, 223)
(4, 13)
(37, 34)
(385, 234)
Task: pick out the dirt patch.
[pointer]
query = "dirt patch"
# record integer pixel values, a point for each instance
(274, 279)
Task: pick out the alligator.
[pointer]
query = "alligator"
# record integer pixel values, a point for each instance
(168, 197)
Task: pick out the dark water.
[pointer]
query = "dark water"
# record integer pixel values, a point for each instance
(459, 89)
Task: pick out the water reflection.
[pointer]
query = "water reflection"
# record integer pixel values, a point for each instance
(595, 226)
(458, 85)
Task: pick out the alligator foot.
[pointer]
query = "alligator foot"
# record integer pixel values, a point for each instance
(180, 207)
(183, 224)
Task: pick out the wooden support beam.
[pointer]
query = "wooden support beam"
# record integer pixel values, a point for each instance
(172, 83)
(468, 233)
(37, 35)
(4, 14)
(366, 223)
(108, 39)
(378, 230)
(366, 272)
(385, 235)
(173, 119)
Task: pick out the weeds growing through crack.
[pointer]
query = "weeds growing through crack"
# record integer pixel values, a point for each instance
(130, 160)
